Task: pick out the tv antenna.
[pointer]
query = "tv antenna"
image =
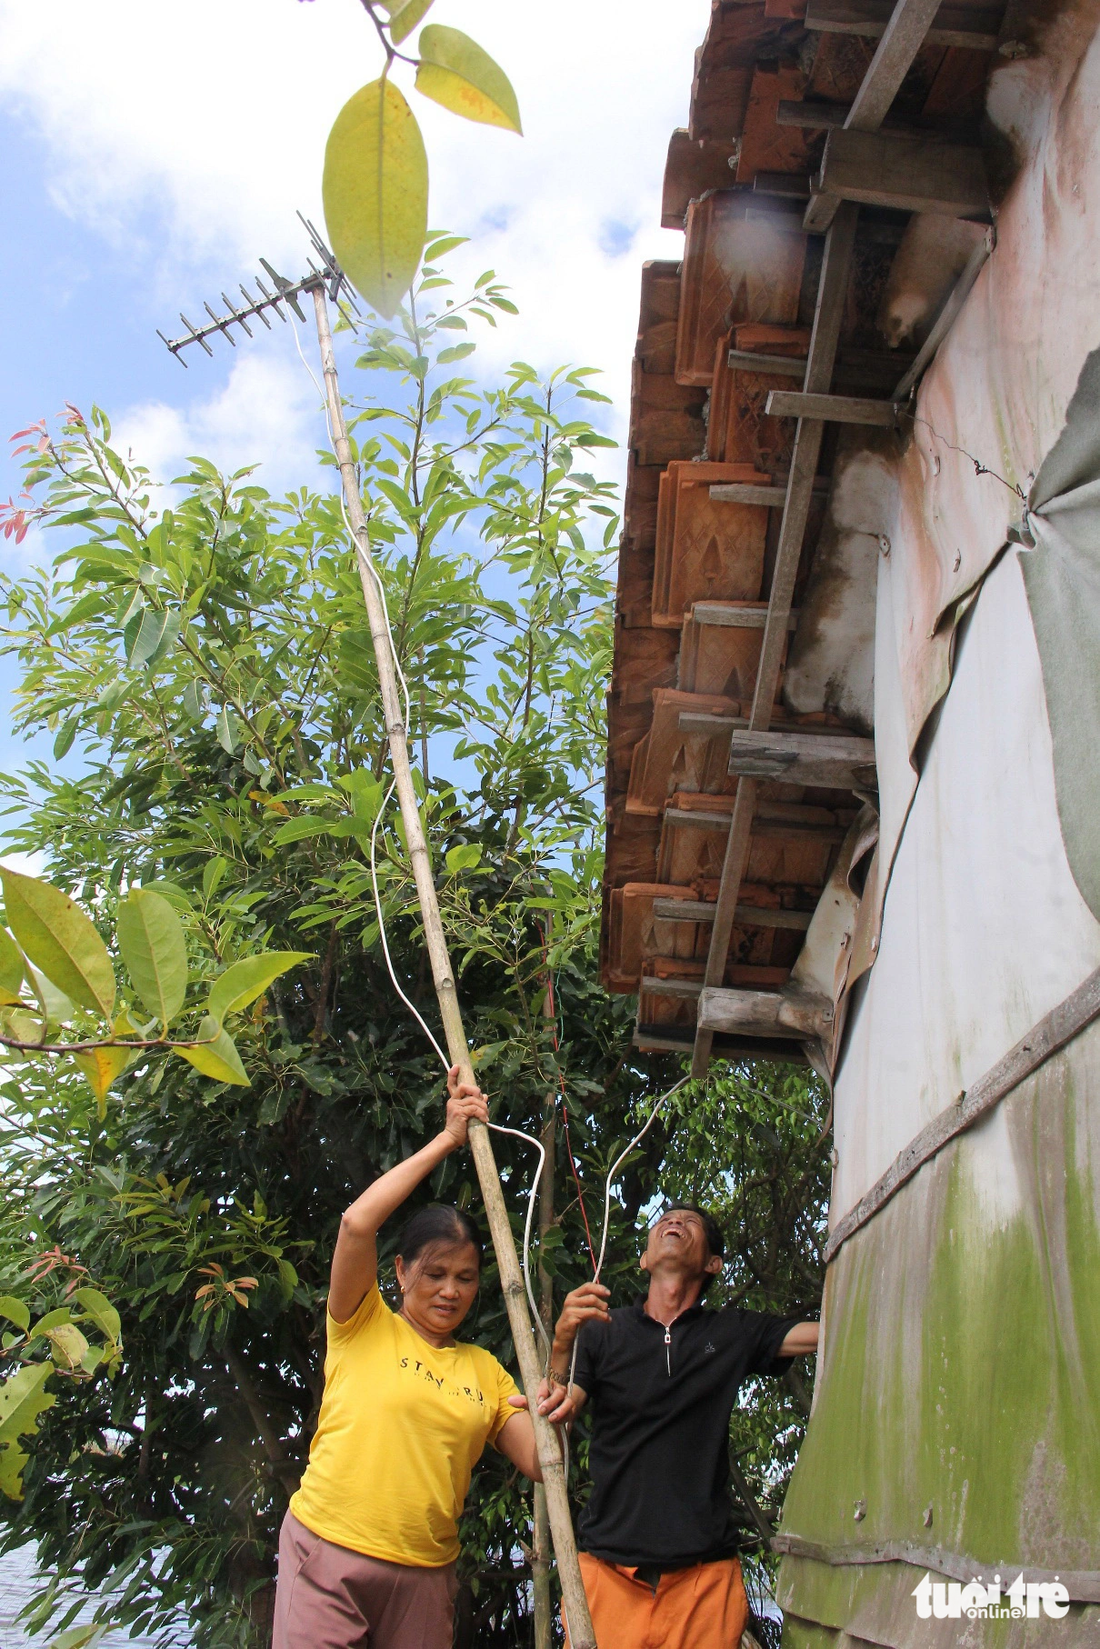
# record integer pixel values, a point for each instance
(329, 276)
(328, 284)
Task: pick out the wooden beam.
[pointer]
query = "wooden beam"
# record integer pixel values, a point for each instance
(818, 117)
(766, 1013)
(901, 40)
(831, 297)
(690, 818)
(828, 761)
(747, 916)
(744, 360)
(832, 293)
(911, 174)
(951, 25)
(784, 185)
(831, 409)
(903, 29)
(670, 987)
(710, 726)
(727, 613)
(742, 492)
(947, 316)
(649, 1041)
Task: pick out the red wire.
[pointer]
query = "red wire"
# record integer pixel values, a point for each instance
(565, 1117)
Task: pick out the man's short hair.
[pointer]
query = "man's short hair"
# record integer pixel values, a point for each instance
(716, 1242)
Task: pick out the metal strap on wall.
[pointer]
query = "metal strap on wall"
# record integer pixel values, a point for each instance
(1052, 1032)
(1082, 1585)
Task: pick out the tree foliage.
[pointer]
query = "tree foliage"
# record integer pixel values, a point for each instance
(201, 656)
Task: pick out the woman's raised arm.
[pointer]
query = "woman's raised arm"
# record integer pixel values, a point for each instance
(355, 1262)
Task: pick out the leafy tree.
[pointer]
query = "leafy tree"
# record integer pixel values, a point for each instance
(204, 653)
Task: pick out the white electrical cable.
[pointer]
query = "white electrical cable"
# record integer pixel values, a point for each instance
(609, 1181)
(516, 1133)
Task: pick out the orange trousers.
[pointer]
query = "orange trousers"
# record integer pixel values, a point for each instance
(700, 1608)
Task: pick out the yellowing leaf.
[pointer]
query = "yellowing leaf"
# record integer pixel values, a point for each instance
(454, 71)
(246, 980)
(57, 937)
(68, 1347)
(404, 16)
(11, 967)
(375, 190)
(218, 1057)
(22, 1400)
(102, 1067)
(153, 948)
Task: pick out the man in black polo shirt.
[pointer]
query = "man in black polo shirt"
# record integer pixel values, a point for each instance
(658, 1536)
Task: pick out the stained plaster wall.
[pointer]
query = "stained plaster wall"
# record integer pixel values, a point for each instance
(962, 1340)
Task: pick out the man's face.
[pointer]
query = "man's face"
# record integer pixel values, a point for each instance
(678, 1242)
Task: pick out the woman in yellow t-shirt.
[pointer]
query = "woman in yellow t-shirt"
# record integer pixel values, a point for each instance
(367, 1551)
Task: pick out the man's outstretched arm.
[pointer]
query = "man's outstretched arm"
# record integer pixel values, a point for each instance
(801, 1340)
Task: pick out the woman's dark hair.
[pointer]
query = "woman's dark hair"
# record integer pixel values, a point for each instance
(437, 1224)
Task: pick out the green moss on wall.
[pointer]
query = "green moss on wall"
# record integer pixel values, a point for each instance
(959, 1403)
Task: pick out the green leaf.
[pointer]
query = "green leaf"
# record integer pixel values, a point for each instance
(22, 1400)
(218, 1057)
(102, 1313)
(11, 966)
(463, 858)
(15, 1311)
(375, 190)
(102, 1067)
(453, 70)
(153, 636)
(404, 16)
(212, 876)
(288, 1278)
(56, 1005)
(246, 980)
(12, 1461)
(58, 938)
(228, 729)
(457, 352)
(150, 938)
(82, 1637)
(295, 830)
(64, 740)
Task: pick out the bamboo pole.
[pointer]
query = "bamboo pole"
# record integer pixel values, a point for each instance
(540, 1553)
(511, 1279)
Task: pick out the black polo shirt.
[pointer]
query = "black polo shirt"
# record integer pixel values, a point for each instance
(661, 1403)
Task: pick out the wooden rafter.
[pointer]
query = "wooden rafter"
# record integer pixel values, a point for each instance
(902, 38)
(904, 30)
(831, 294)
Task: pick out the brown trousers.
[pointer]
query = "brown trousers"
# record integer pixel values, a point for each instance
(330, 1598)
(704, 1607)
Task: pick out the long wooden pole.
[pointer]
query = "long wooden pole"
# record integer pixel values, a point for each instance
(511, 1278)
(540, 1553)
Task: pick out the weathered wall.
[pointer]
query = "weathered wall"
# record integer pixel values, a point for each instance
(962, 1380)
(958, 1401)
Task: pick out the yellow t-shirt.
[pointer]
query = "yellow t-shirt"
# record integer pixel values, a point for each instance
(401, 1425)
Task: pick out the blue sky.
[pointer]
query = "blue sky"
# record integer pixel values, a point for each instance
(152, 153)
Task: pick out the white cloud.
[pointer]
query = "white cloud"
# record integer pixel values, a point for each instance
(191, 133)
(266, 414)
